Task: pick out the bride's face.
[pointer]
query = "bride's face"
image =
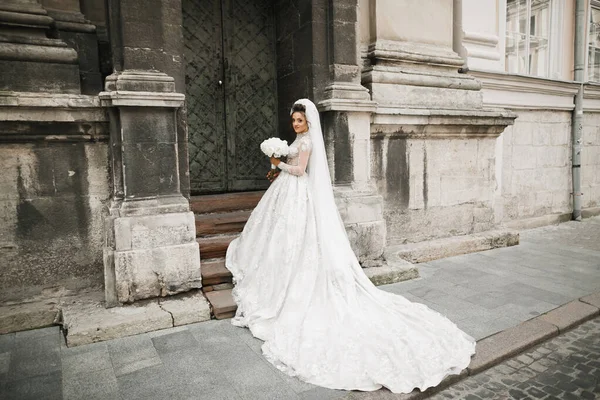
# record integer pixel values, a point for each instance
(299, 122)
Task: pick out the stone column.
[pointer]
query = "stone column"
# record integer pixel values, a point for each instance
(433, 141)
(72, 27)
(346, 111)
(409, 65)
(29, 60)
(150, 247)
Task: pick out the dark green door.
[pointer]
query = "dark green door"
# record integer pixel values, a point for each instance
(231, 92)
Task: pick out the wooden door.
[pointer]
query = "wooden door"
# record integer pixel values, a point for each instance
(231, 92)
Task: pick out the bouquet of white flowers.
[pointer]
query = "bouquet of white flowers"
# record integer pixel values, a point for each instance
(275, 147)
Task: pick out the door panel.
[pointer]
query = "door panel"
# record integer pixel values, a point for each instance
(202, 31)
(251, 92)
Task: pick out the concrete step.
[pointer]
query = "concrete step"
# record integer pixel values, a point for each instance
(220, 223)
(214, 272)
(222, 303)
(214, 246)
(225, 202)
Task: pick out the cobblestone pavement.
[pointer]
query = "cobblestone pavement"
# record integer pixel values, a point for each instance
(566, 367)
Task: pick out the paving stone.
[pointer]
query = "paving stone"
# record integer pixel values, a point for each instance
(33, 344)
(319, 393)
(25, 363)
(36, 333)
(132, 353)
(4, 362)
(540, 294)
(7, 342)
(525, 359)
(85, 385)
(143, 383)
(136, 365)
(542, 378)
(95, 359)
(46, 386)
(174, 342)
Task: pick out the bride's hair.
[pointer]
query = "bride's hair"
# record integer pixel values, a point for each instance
(299, 108)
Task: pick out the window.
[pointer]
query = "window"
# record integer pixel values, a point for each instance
(528, 37)
(594, 50)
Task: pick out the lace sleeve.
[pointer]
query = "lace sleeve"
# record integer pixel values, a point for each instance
(300, 169)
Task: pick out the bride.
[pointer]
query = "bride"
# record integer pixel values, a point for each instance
(300, 289)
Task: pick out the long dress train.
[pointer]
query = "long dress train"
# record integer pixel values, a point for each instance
(329, 325)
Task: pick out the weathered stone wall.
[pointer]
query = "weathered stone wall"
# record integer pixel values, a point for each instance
(435, 188)
(52, 196)
(590, 160)
(536, 166)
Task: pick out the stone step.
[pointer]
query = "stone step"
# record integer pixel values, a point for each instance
(214, 272)
(220, 286)
(219, 223)
(214, 246)
(227, 202)
(222, 303)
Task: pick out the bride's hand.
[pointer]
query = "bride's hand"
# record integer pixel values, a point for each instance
(275, 161)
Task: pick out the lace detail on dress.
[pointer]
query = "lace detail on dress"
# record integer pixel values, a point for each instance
(299, 155)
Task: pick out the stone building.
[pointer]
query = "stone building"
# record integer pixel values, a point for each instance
(129, 136)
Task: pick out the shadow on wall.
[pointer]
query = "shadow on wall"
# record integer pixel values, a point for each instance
(51, 208)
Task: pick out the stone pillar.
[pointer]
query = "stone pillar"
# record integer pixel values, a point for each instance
(72, 27)
(433, 141)
(29, 60)
(150, 248)
(409, 65)
(346, 112)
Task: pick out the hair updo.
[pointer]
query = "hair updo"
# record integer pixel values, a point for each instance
(297, 107)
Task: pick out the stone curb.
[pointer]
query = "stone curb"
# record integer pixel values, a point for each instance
(494, 349)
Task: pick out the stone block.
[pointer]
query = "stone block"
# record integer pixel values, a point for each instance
(344, 45)
(570, 314)
(152, 169)
(524, 157)
(453, 246)
(560, 134)
(146, 232)
(21, 317)
(427, 224)
(141, 126)
(355, 209)
(536, 222)
(186, 308)
(367, 239)
(88, 322)
(424, 97)
(159, 271)
(29, 76)
(391, 273)
(523, 134)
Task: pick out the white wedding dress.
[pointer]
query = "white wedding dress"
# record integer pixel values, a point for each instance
(300, 289)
